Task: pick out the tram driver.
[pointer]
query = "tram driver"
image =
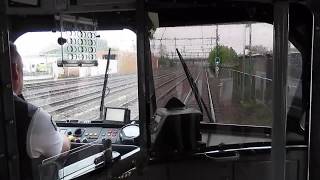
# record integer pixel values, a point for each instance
(37, 133)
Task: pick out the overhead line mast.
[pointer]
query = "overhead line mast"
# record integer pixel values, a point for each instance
(217, 41)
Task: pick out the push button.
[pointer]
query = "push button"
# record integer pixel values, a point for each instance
(85, 140)
(78, 132)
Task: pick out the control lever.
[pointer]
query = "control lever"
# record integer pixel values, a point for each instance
(107, 158)
(108, 151)
(110, 156)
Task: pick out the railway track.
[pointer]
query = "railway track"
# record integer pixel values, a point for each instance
(96, 93)
(69, 88)
(73, 88)
(130, 101)
(169, 89)
(204, 88)
(81, 98)
(67, 105)
(83, 95)
(180, 88)
(126, 99)
(53, 83)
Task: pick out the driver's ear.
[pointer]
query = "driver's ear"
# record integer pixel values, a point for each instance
(14, 71)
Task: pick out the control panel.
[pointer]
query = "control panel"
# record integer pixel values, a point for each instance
(109, 142)
(116, 126)
(90, 134)
(109, 127)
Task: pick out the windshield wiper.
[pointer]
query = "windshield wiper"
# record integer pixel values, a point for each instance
(194, 88)
(106, 76)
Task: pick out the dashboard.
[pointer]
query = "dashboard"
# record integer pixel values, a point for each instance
(97, 131)
(90, 134)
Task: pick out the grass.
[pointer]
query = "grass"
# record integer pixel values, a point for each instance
(254, 113)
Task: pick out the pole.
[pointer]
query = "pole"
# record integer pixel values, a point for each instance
(279, 83)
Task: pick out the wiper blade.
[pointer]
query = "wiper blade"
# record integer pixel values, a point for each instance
(106, 76)
(194, 88)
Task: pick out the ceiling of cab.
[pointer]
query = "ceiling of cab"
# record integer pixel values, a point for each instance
(42, 7)
(117, 14)
(181, 14)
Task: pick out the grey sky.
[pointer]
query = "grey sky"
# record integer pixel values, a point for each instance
(235, 36)
(230, 35)
(34, 42)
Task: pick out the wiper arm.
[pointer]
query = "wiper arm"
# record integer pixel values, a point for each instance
(106, 76)
(194, 88)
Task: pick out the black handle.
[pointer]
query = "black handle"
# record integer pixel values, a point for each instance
(223, 156)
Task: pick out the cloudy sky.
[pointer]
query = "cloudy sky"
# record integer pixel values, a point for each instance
(34, 42)
(235, 36)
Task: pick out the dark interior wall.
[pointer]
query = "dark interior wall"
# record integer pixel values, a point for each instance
(36, 23)
(250, 166)
(3, 158)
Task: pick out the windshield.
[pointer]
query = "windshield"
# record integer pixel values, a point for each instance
(232, 67)
(74, 93)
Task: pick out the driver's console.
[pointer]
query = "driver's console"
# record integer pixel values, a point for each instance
(96, 144)
(113, 127)
(89, 132)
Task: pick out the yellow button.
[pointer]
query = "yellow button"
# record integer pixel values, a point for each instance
(71, 138)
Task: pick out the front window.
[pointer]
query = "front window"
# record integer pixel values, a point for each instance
(74, 93)
(232, 67)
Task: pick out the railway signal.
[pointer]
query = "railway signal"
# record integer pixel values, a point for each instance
(217, 60)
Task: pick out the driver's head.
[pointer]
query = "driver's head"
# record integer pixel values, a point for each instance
(16, 70)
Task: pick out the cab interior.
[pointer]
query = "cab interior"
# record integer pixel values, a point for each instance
(178, 140)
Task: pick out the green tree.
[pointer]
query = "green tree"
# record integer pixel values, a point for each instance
(226, 54)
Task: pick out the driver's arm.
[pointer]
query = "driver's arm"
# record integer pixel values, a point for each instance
(43, 139)
(66, 144)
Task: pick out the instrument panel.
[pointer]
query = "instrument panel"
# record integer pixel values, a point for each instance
(97, 132)
(90, 134)
(109, 127)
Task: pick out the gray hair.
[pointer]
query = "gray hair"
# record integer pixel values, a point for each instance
(14, 53)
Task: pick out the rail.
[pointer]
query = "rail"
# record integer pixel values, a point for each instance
(210, 99)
